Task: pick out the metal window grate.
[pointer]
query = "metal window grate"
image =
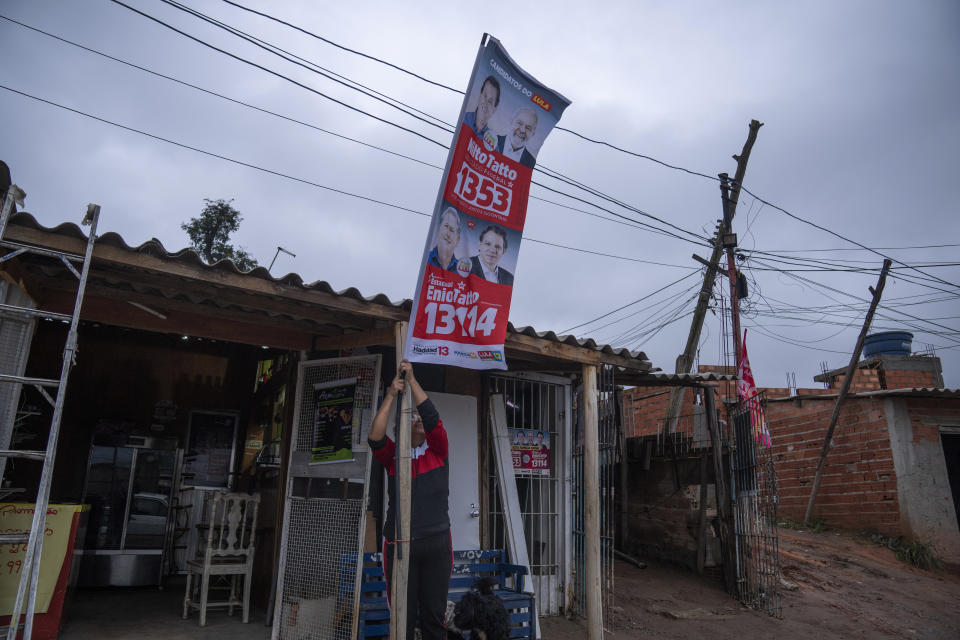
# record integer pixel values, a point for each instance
(533, 405)
(324, 520)
(317, 372)
(320, 557)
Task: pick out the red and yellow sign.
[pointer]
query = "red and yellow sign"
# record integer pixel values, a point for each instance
(16, 517)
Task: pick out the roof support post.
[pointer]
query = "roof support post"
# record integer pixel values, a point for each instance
(401, 555)
(591, 502)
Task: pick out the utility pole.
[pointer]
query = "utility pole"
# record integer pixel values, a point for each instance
(847, 379)
(685, 359)
(731, 196)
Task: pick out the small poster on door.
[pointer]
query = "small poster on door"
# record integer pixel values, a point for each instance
(333, 421)
(531, 452)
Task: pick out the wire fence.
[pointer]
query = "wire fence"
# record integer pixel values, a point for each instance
(324, 520)
(755, 499)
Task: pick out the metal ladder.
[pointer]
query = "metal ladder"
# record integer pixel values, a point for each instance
(30, 571)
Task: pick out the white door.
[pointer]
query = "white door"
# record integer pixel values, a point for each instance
(459, 415)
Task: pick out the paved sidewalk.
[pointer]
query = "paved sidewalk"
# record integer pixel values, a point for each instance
(151, 614)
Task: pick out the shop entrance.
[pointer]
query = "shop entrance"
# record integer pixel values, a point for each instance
(950, 441)
(539, 429)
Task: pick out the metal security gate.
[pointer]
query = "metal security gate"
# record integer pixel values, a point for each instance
(538, 423)
(609, 451)
(324, 519)
(755, 515)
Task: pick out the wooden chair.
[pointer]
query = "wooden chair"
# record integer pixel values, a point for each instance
(229, 552)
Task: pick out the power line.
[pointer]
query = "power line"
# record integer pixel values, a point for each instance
(951, 330)
(626, 222)
(280, 75)
(603, 143)
(446, 127)
(458, 91)
(921, 246)
(846, 239)
(630, 304)
(290, 177)
(220, 95)
(340, 46)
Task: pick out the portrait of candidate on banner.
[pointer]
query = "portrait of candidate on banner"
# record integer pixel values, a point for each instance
(333, 420)
(466, 245)
(503, 122)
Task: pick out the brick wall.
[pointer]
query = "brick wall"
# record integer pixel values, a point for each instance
(645, 408)
(863, 380)
(893, 372)
(910, 379)
(928, 414)
(663, 521)
(859, 485)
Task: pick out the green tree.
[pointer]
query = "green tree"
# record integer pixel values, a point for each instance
(210, 234)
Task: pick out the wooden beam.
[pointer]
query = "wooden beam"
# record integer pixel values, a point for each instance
(200, 323)
(591, 503)
(724, 506)
(105, 253)
(372, 338)
(845, 386)
(297, 310)
(702, 520)
(561, 351)
(401, 553)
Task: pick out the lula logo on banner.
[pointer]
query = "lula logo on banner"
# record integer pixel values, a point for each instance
(465, 283)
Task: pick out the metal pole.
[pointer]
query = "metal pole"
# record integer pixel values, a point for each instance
(847, 379)
(38, 525)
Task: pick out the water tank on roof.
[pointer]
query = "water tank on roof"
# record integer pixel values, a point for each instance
(899, 343)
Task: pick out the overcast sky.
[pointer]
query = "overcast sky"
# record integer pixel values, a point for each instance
(860, 103)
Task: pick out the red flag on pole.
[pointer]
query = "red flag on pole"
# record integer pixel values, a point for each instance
(747, 391)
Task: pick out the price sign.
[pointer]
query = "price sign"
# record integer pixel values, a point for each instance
(17, 517)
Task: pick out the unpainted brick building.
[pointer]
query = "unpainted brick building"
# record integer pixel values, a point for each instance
(893, 465)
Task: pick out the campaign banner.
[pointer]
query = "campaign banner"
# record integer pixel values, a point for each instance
(465, 284)
(530, 450)
(333, 421)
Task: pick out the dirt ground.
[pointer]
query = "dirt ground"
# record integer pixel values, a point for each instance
(836, 585)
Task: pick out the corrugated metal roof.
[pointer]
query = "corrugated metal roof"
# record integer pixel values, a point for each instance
(915, 392)
(667, 379)
(190, 257)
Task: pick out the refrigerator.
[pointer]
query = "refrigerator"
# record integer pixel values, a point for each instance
(129, 487)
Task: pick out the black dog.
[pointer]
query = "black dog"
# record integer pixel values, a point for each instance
(481, 613)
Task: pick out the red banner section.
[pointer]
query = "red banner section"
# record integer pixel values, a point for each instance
(486, 184)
